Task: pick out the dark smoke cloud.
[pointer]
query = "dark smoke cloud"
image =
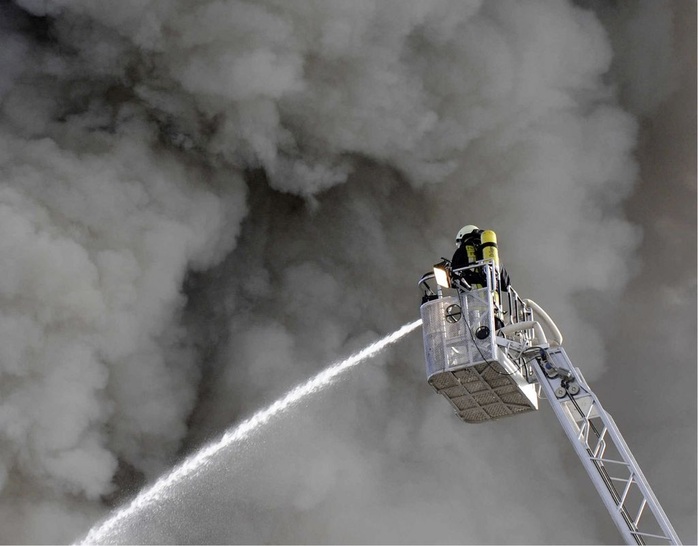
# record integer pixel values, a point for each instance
(203, 204)
(659, 359)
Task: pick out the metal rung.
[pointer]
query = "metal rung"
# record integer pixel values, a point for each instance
(640, 511)
(584, 432)
(602, 439)
(602, 460)
(650, 535)
(624, 480)
(600, 447)
(627, 490)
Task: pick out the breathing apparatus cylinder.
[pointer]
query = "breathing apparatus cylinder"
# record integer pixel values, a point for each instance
(489, 247)
(490, 251)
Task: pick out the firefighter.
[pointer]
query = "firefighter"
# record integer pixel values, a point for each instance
(468, 252)
(475, 244)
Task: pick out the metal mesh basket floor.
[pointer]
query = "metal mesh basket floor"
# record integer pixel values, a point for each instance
(485, 392)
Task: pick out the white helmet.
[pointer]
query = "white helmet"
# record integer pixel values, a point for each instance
(465, 230)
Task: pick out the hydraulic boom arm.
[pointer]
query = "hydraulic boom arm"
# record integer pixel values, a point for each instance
(603, 452)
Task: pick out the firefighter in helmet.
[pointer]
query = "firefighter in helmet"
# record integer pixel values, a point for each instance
(475, 244)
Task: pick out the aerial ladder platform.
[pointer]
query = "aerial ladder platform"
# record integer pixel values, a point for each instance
(494, 355)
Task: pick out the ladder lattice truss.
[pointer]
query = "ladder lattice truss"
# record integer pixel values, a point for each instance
(605, 455)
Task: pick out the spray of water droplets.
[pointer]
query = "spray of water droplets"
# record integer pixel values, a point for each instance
(199, 460)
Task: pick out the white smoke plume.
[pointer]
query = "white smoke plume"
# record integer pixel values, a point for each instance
(204, 202)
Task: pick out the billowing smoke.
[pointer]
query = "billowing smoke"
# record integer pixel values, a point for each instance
(204, 203)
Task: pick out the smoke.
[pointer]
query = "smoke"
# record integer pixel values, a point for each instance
(204, 203)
